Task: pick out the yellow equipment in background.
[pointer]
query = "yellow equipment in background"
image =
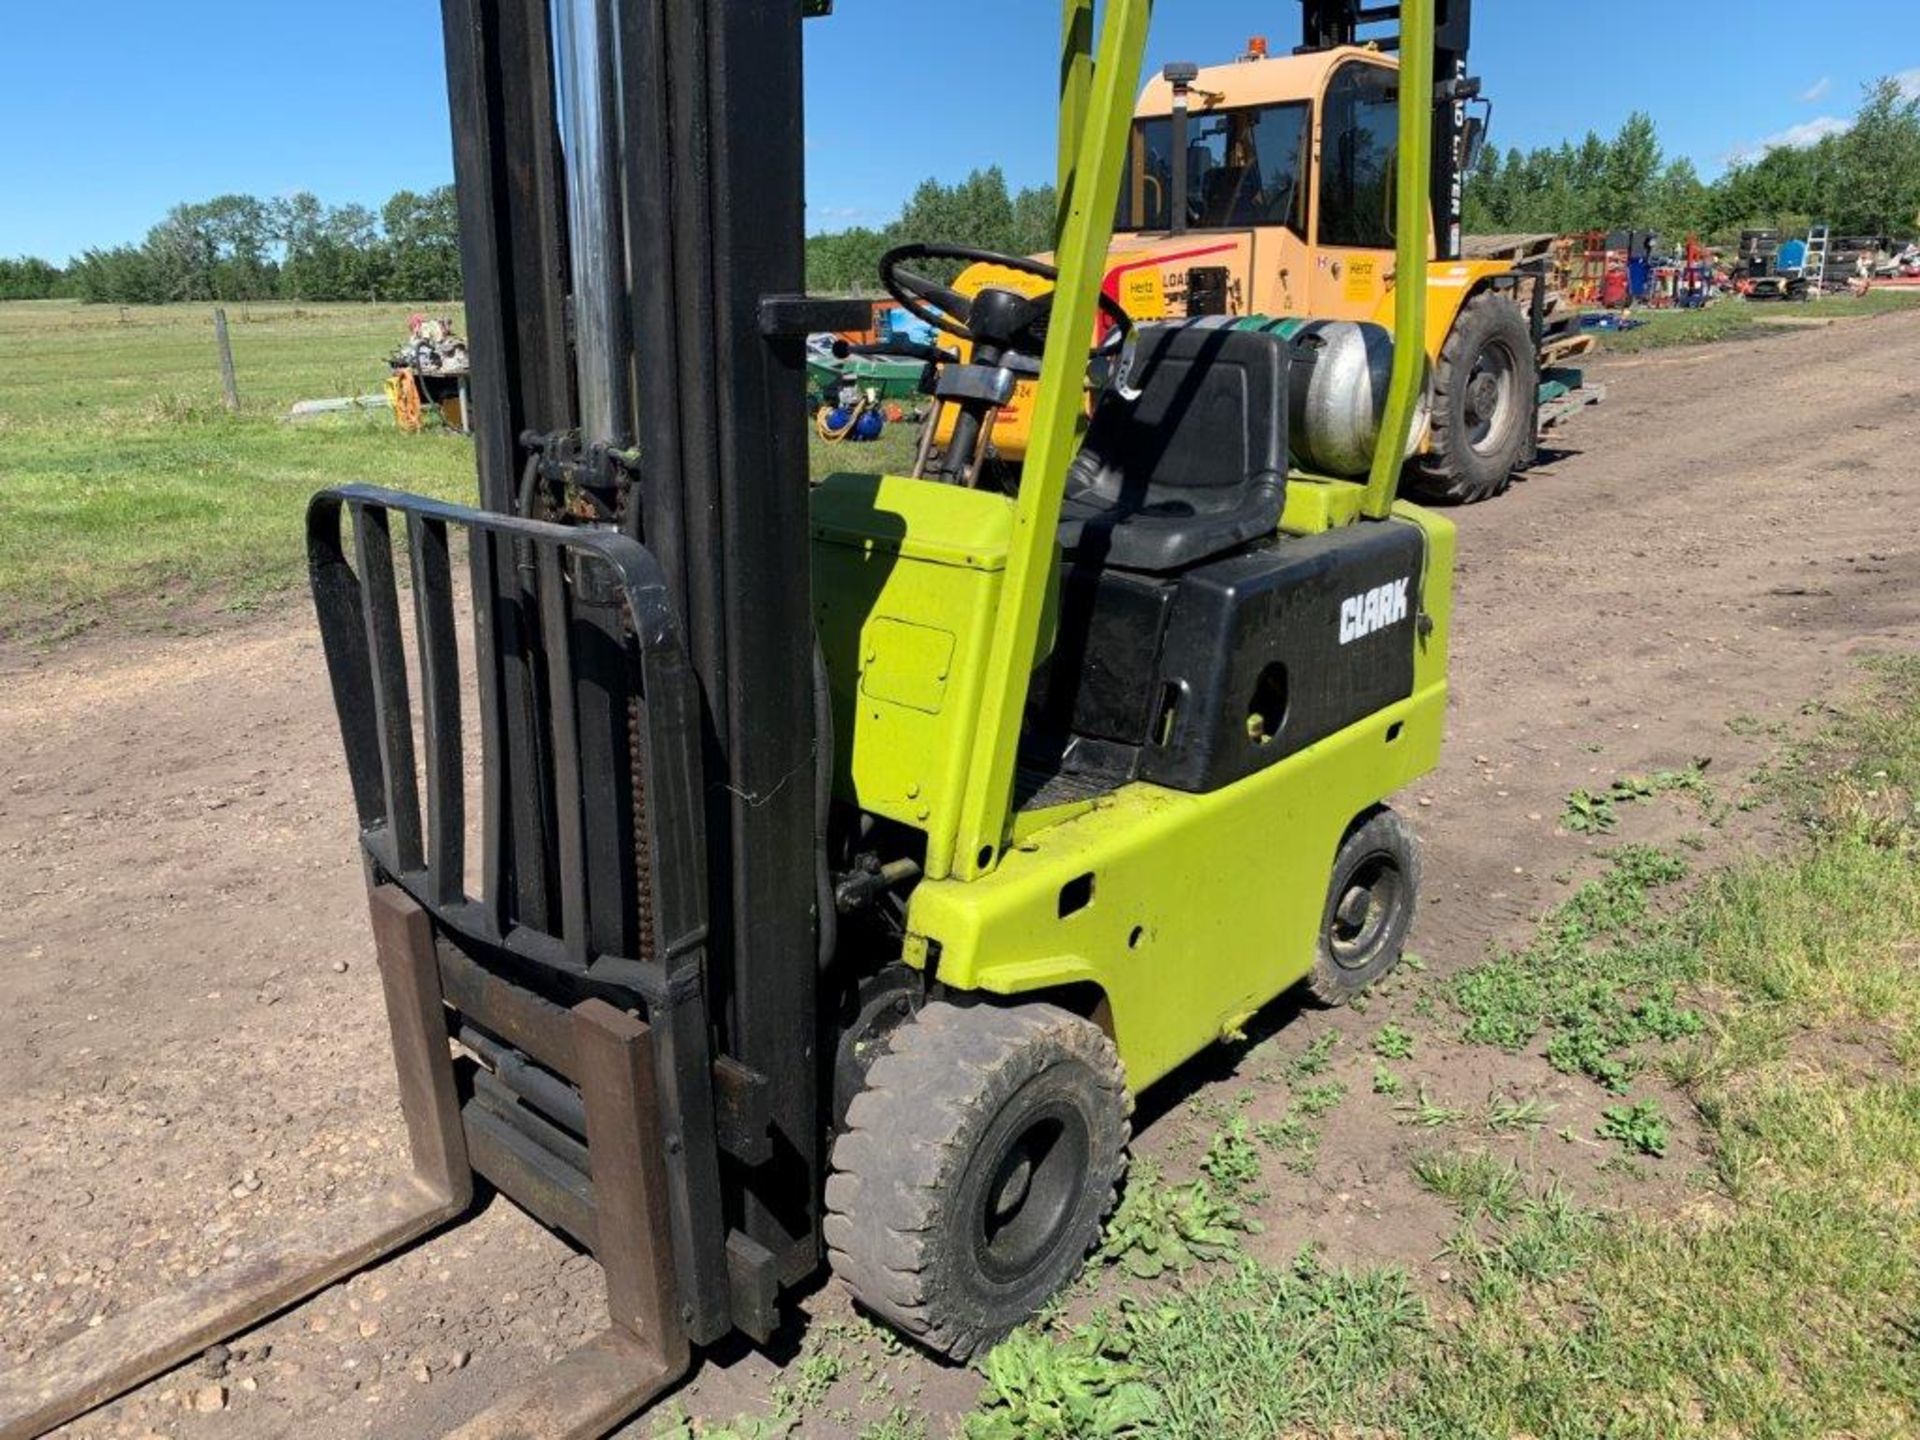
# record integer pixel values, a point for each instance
(1287, 165)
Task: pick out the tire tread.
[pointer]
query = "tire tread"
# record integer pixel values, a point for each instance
(904, 1148)
(1439, 474)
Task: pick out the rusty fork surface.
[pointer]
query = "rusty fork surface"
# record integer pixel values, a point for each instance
(644, 1347)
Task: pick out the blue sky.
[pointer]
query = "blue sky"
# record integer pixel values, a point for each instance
(112, 110)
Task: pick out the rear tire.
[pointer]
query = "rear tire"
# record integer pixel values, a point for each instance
(1370, 900)
(975, 1169)
(1483, 398)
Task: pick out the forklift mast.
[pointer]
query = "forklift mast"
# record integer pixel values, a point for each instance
(642, 330)
(1327, 23)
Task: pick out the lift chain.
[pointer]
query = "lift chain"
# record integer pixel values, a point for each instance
(587, 482)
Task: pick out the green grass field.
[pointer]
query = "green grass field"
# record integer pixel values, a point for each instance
(127, 492)
(1740, 319)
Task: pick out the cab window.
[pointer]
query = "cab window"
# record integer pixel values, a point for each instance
(1359, 146)
(1245, 167)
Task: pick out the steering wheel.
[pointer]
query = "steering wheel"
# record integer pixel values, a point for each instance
(946, 309)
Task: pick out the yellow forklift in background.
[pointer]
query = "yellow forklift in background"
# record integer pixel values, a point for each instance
(1261, 191)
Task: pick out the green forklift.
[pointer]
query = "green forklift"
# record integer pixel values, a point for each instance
(848, 856)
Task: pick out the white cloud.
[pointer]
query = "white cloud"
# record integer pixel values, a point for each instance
(1794, 137)
(1909, 82)
(1817, 92)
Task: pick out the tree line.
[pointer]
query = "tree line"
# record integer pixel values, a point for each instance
(239, 247)
(1864, 180)
(978, 211)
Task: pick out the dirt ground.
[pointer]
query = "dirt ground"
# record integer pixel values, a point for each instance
(192, 1051)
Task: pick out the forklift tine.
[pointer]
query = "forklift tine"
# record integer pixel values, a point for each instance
(138, 1344)
(585, 1394)
(132, 1347)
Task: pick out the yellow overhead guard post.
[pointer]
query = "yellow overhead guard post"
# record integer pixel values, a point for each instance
(1076, 83)
(1090, 198)
(1410, 261)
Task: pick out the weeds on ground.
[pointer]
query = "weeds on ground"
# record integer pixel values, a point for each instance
(1602, 976)
(1640, 1128)
(1503, 1115)
(1080, 1387)
(1428, 1113)
(1392, 1042)
(1590, 812)
(1160, 1227)
(1314, 1101)
(673, 1424)
(1807, 1081)
(1315, 1058)
(1254, 1352)
(899, 1423)
(1231, 1158)
(1544, 1237)
(1475, 1184)
(1294, 1137)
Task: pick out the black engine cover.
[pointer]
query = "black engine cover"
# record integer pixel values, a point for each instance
(1197, 680)
(1268, 651)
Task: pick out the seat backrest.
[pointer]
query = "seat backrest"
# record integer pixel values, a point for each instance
(1209, 414)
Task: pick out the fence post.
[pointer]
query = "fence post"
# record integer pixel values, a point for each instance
(229, 389)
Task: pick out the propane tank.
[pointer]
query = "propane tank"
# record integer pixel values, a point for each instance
(1338, 392)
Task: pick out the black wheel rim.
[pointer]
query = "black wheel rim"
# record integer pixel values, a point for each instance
(1490, 398)
(1032, 1172)
(1363, 910)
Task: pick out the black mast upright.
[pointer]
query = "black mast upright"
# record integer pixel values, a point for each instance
(715, 192)
(702, 247)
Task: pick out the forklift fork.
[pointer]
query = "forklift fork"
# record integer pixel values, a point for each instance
(642, 1350)
(598, 1122)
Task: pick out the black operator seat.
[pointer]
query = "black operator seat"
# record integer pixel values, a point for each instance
(1194, 465)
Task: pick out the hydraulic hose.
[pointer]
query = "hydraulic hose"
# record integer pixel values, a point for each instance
(825, 427)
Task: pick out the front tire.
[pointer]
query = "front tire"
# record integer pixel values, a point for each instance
(1369, 908)
(1483, 400)
(975, 1169)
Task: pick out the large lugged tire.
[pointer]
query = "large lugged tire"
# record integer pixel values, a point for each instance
(975, 1169)
(1483, 398)
(1370, 900)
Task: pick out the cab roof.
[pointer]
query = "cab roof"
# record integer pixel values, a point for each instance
(1258, 82)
